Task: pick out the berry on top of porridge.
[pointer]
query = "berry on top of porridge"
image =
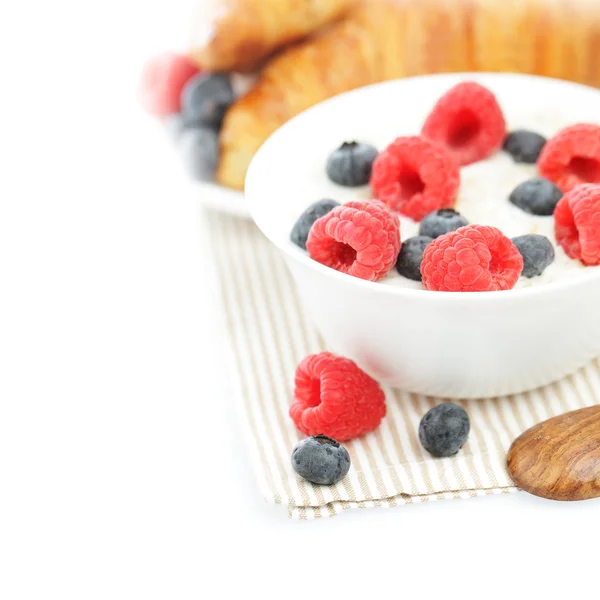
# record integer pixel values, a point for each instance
(464, 206)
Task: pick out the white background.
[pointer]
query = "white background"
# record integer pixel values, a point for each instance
(116, 416)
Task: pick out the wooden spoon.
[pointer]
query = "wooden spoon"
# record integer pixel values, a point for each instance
(559, 459)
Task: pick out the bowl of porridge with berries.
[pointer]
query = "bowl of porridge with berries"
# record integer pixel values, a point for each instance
(444, 231)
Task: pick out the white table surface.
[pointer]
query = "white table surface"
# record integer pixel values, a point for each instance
(116, 414)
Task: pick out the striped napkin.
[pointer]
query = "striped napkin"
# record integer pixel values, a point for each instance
(270, 334)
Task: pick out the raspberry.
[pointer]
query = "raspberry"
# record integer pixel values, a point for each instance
(572, 157)
(577, 223)
(334, 397)
(415, 177)
(358, 238)
(163, 78)
(475, 258)
(468, 122)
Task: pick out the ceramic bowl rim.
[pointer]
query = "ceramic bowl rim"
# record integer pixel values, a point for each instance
(291, 251)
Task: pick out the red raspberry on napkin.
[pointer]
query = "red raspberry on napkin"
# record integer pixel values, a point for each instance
(333, 396)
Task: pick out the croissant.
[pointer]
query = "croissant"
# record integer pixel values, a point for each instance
(230, 35)
(387, 39)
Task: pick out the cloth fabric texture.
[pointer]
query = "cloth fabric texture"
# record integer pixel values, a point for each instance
(270, 334)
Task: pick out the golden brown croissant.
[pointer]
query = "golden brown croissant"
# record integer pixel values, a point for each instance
(387, 39)
(229, 35)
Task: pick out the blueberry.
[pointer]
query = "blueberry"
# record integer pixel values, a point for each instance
(321, 459)
(205, 99)
(315, 211)
(411, 256)
(440, 222)
(537, 196)
(199, 148)
(524, 146)
(537, 252)
(444, 429)
(351, 164)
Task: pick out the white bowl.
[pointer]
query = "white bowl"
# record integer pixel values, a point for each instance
(438, 343)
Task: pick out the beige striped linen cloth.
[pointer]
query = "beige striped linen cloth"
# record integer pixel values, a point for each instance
(270, 334)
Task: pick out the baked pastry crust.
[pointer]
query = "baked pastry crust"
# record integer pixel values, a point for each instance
(386, 39)
(236, 35)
